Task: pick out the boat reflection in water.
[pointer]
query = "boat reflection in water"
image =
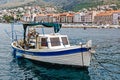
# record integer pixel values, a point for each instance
(34, 70)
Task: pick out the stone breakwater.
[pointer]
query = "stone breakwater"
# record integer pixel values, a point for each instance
(88, 26)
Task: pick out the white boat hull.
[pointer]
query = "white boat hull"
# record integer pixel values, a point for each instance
(74, 55)
(79, 59)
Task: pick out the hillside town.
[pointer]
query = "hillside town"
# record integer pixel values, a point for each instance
(49, 14)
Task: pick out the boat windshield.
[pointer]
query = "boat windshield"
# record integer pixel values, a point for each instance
(64, 40)
(55, 41)
(44, 42)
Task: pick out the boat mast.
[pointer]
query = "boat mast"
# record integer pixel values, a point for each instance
(43, 30)
(24, 38)
(12, 27)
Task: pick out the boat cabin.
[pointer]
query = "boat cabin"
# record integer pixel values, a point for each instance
(51, 41)
(34, 40)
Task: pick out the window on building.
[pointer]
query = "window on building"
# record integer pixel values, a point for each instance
(55, 41)
(44, 42)
(64, 40)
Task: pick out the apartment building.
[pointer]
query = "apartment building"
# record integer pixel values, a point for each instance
(84, 17)
(108, 17)
(70, 17)
(26, 17)
(62, 17)
(78, 17)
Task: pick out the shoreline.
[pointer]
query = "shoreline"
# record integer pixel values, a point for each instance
(88, 26)
(76, 25)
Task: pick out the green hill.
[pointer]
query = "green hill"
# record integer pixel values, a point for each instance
(69, 5)
(90, 4)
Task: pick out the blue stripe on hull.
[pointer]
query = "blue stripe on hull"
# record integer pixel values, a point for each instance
(55, 53)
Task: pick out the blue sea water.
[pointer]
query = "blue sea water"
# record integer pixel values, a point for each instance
(104, 66)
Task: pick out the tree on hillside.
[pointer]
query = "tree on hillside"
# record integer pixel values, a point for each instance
(8, 18)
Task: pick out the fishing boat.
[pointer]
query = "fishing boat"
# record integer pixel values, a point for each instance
(51, 48)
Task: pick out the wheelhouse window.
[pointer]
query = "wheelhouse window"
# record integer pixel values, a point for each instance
(64, 40)
(44, 42)
(55, 41)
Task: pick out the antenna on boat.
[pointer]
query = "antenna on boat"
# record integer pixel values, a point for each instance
(12, 29)
(43, 28)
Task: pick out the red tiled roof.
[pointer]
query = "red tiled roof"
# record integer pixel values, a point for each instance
(41, 15)
(107, 13)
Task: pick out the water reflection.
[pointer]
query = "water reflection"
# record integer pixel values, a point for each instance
(39, 71)
(107, 52)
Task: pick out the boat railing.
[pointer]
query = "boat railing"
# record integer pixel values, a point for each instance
(15, 35)
(77, 41)
(19, 46)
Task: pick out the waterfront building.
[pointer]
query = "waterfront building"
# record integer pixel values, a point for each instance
(89, 17)
(49, 17)
(84, 17)
(56, 18)
(62, 17)
(26, 17)
(107, 17)
(70, 17)
(78, 17)
(29, 17)
(52, 17)
(41, 17)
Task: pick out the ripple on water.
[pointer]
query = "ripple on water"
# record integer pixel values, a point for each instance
(107, 53)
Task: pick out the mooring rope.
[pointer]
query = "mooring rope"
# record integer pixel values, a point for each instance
(117, 72)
